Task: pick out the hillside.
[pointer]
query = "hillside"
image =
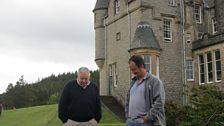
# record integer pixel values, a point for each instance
(45, 115)
(42, 92)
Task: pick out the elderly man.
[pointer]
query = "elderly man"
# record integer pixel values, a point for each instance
(146, 97)
(79, 104)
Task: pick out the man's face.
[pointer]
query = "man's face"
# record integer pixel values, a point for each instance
(83, 78)
(134, 69)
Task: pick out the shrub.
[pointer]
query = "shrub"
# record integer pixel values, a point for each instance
(206, 108)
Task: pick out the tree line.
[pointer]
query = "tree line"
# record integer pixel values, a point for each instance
(44, 91)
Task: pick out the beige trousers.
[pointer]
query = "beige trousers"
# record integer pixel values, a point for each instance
(91, 122)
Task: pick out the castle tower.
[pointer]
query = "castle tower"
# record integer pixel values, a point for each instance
(100, 12)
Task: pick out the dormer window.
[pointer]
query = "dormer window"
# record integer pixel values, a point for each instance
(117, 6)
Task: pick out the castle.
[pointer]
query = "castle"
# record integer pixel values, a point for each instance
(181, 41)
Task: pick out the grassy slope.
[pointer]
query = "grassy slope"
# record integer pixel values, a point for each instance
(44, 116)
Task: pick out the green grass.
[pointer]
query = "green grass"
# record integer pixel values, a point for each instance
(45, 115)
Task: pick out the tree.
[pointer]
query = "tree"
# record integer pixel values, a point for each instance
(10, 86)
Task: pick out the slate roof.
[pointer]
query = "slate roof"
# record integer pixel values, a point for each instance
(144, 37)
(101, 4)
(209, 41)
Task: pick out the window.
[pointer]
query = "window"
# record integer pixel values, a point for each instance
(167, 30)
(157, 67)
(172, 3)
(118, 36)
(212, 65)
(147, 60)
(110, 74)
(217, 65)
(209, 67)
(214, 26)
(197, 13)
(189, 70)
(117, 6)
(201, 69)
(113, 74)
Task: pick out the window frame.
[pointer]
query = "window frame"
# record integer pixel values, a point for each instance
(148, 63)
(198, 13)
(199, 69)
(214, 26)
(207, 68)
(167, 30)
(157, 66)
(113, 74)
(172, 3)
(189, 70)
(117, 5)
(215, 63)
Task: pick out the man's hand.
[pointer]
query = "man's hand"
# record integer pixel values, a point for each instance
(145, 119)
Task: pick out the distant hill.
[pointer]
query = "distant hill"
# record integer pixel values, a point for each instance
(45, 115)
(44, 91)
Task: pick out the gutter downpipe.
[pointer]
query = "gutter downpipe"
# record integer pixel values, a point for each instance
(105, 37)
(129, 35)
(184, 53)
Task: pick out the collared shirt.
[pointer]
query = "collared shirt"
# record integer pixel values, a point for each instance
(137, 107)
(154, 100)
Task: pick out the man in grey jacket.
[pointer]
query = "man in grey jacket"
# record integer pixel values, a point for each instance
(145, 98)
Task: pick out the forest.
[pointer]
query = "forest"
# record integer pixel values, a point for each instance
(44, 91)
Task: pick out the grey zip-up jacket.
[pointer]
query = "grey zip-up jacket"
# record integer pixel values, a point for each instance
(154, 98)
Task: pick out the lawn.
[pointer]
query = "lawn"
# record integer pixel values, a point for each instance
(45, 115)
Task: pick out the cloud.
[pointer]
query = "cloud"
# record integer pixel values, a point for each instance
(41, 37)
(44, 19)
(47, 29)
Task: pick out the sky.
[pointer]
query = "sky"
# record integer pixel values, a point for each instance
(43, 37)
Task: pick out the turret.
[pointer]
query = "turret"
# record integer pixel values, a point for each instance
(145, 43)
(144, 38)
(100, 13)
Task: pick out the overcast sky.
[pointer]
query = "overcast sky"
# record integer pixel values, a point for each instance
(43, 37)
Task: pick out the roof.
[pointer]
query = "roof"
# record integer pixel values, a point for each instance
(209, 3)
(144, 37)
(207, 41)
(101, 4)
